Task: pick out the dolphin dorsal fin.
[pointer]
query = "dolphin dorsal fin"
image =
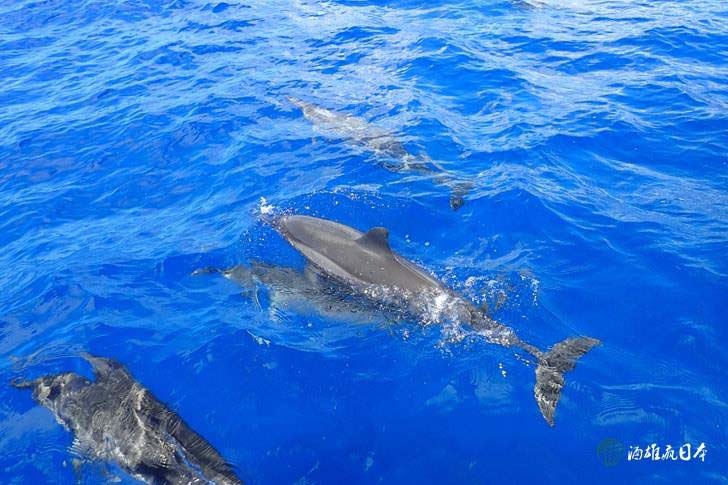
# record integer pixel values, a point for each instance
(376, 238)
(104, 368)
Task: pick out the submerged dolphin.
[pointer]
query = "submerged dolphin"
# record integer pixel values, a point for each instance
(115, 419)
(303, 292)
(365, 263)
(396, 157)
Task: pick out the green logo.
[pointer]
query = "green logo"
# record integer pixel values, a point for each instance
(610, 452)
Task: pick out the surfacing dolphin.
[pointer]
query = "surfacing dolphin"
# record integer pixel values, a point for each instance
(115, 419)
(365, 263)
(391, 151)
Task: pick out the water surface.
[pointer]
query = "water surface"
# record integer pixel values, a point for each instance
(140, 141)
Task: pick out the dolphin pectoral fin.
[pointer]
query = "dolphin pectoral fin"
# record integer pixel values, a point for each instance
(251, 294)
(552, 366)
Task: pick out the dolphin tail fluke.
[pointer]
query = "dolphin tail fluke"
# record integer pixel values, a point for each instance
(459, 191)
(552, 366)
(456, 201)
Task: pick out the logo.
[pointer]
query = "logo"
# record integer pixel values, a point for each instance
(652, 452)
(610, 452)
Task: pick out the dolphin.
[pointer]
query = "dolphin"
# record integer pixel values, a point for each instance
(395, 157)
(299, 291)
(365, 263)
(115, 419)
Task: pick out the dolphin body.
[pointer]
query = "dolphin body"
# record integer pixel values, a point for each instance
(365, 263)
(115, 419)
(395, 156)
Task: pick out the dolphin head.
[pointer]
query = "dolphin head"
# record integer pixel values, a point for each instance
(334, 248)
(311, 232)
(102, 366)
(50, 391)
(296, 102)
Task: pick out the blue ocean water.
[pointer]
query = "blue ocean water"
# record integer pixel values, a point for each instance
(140, 141)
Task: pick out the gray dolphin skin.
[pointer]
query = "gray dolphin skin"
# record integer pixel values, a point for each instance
(392, 153)
(115, 419)
(365, 263)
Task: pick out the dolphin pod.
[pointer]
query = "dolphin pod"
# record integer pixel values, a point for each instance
(367, 265)
(115, 419)
(392, 153)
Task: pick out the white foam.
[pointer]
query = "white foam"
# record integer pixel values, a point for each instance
(259, 340)
(264, 207)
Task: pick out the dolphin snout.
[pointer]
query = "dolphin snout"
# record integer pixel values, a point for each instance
(305, 230)
(289, 225)
(22, 384)
(282, 225)
(295, 102)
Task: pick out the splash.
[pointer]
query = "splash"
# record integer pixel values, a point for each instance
(259, 340)
(264, 208)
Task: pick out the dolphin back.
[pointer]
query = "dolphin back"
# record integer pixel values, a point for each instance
(356, 258)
